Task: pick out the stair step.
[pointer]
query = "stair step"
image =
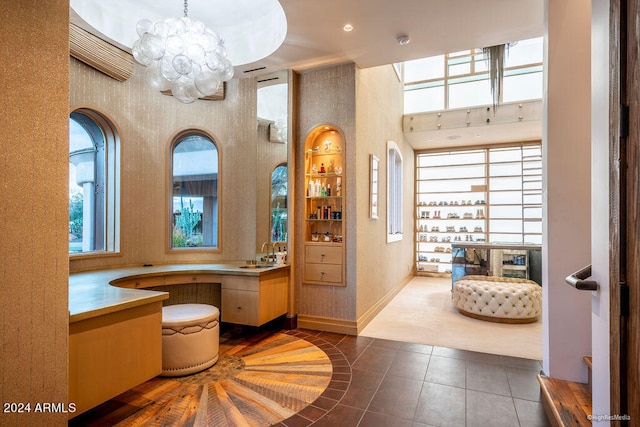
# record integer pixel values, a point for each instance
(566, 403)
(589, 363)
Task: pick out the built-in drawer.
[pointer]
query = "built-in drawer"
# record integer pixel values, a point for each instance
(323, 254)
(181, 279)
(139, 282)
(239, 307)
(324, 273)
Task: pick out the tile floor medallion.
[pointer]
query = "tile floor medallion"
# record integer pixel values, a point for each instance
(259, 382)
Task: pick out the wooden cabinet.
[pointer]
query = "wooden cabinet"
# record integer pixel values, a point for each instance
(110, 354)
(323, 264)
(254, 300)
(324, 210)
(244, 300)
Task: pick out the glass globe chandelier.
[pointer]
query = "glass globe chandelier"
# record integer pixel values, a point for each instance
(182, 55)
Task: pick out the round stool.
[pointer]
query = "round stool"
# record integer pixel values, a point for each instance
(498, 299)
(190, 338)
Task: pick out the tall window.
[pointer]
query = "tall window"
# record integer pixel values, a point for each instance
(93, 197)
(394, 192)
(461, 79)
(503, 182)
(194, 193)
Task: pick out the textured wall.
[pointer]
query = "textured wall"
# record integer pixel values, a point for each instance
(327, 96)
(146, 121)
(381, 266)
(33, 212)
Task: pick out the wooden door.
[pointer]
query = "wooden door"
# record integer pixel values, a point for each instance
(625, 185)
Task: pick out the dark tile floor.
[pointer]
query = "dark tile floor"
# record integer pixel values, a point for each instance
(387, 383)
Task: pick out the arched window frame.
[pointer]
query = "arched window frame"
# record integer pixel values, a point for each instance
(215, 245)
(278, 214)
(104, 209)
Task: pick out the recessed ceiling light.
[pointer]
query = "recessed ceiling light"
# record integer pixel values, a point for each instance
(402, 40)
(452, 137)
(348, 27)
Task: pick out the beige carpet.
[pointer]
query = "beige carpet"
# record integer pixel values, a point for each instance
(423, 313)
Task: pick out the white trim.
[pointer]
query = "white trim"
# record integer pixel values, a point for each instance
(394, 192)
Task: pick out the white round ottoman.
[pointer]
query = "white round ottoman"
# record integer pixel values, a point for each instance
(190, 338)
(498, 299)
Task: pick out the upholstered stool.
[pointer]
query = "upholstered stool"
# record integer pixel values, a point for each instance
(190, 338)
(498, 299)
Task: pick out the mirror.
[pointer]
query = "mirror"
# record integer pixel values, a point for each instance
(272, 158)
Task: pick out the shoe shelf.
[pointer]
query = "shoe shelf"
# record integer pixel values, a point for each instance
(439, 224)
(493, 193)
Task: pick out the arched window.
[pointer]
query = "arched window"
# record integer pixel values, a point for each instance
(194, 191)
(93, 196)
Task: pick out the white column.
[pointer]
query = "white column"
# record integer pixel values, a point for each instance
(600, 207)
(84, 161)
(567, 187)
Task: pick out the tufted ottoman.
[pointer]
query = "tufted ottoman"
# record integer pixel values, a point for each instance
(190, 338)
(498, 299)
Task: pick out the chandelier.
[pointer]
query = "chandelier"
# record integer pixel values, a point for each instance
(182, 55)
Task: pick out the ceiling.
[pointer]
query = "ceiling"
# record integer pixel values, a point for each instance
(315, 36)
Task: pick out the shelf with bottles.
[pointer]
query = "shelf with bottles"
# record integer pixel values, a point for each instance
(324, 209)
(327, 150)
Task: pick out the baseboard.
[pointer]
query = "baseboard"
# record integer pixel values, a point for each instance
(291, 321)
(327, 324)
(376, 308)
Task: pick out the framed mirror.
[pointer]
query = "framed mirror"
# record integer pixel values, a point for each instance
(273, 106)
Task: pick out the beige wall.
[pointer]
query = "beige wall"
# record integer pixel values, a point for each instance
(33, 211)
(327, 96)
(146, 121)
(382, 266)
(566, 221)
(366, 105)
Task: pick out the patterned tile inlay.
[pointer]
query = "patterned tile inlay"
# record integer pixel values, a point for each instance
(254, 383)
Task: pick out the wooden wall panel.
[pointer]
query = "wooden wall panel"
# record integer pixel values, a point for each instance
(34, 41)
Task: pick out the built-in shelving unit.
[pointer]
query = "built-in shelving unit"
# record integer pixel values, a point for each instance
(491, 194)
(323, 208)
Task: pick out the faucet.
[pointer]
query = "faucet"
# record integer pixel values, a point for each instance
(273, 250)
(266, 257)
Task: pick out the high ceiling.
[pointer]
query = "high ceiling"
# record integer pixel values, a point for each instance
(315, 36)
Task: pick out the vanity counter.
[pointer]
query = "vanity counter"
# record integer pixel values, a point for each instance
(100, 292)
(115, 324)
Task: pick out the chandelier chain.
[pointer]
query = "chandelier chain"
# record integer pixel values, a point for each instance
(186, 8)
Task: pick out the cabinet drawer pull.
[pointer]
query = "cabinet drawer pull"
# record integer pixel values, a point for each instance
(194, 278)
